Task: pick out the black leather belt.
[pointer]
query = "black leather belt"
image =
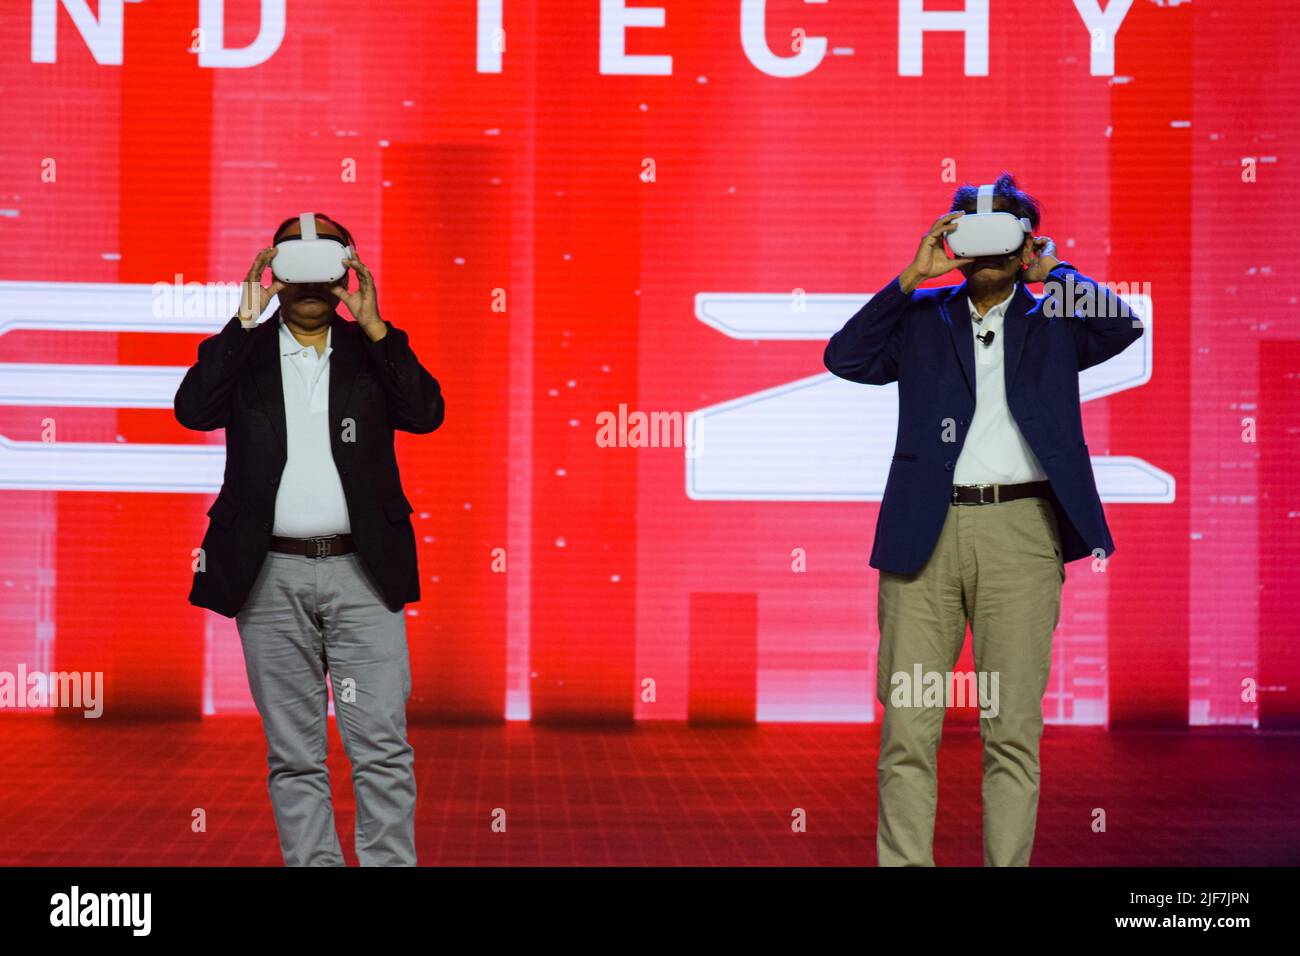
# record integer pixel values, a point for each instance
(993, 494)
(325, 546)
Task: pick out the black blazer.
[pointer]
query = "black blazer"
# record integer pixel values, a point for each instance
(235, 385)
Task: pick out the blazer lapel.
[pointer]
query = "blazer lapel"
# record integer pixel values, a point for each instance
(344, 361)
(266, 376)
(1015, 327)
(955, 310)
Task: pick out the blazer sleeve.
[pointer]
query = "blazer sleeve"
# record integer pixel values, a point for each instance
(202, 401)
(415, 402)
(868, 347)
(1103, 324)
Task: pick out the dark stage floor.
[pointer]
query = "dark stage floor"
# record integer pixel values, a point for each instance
(92, 793)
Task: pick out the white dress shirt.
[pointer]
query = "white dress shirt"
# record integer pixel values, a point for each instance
(994, 452)
(310, 500)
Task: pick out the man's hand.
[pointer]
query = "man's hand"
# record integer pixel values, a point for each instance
(931, 257)
(362, 303)
(253, 296)
(1044, 260)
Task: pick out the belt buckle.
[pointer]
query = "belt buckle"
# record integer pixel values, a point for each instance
(982, 499)
(323, 544)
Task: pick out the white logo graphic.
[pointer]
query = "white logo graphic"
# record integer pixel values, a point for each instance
(822, 438)
(102, 466)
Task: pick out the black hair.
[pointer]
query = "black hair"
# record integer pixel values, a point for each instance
(1019, 203)
(320, 215)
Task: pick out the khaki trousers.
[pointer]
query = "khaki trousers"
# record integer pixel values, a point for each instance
(998, 566)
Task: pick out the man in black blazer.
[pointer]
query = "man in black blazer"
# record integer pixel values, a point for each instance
(310, 546)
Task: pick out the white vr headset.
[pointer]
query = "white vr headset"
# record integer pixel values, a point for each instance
(987, 233)
(310, 258)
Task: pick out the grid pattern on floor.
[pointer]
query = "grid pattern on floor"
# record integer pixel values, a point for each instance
(92, 793)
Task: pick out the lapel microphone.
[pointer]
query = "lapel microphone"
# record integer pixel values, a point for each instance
(986, 338)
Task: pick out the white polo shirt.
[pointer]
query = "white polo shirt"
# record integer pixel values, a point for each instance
(310, 500)
(995, 452)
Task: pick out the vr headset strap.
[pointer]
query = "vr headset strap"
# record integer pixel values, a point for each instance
(983, 202)
(308, 222)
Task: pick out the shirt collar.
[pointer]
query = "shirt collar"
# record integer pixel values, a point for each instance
(997, 310)
(291, 346)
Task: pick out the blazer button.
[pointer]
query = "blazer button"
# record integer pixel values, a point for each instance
(947, 466)
(266, 526)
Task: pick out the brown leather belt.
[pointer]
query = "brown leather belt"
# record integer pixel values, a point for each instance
(325, 546)
(993, 494)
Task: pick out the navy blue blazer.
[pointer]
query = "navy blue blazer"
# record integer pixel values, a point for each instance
(924, 341)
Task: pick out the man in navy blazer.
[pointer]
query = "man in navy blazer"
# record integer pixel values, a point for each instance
(990, 492)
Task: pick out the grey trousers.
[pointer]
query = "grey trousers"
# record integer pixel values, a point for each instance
(305, 618)
(999, 567)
